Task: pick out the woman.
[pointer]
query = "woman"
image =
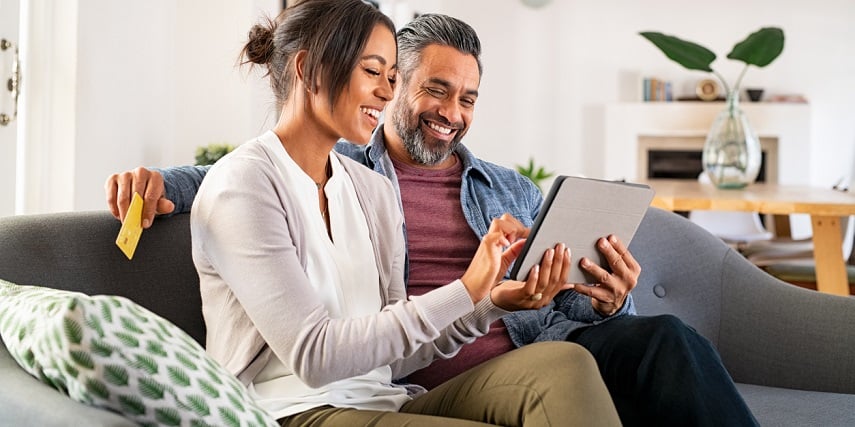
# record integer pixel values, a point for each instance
(300, 254)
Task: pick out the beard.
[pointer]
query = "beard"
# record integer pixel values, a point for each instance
(421, 150)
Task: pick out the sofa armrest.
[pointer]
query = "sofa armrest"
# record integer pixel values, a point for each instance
(777, 334)
(24, 401)
(768, 332)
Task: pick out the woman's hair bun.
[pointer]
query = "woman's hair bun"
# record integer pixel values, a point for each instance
(259, 47)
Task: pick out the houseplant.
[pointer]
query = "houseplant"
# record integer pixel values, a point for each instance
(534, 173)
(731, 156)
(209, 154)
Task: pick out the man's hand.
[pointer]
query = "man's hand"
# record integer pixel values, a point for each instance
(543, 283)
(121, 187)
(609, 294)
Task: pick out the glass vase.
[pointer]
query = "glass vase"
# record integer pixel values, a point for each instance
(731, 156)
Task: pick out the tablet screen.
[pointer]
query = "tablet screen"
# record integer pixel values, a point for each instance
(578, 212)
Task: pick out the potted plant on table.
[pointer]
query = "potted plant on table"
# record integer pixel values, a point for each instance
(731, 156)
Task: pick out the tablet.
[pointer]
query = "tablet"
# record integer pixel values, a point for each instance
(578, 212)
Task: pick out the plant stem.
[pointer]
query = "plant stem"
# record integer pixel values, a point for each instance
(739, 80)
(724, 82)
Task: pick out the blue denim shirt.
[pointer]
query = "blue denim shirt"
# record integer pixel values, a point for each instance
(488, 191)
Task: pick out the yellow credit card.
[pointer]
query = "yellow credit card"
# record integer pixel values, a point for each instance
(129, 235)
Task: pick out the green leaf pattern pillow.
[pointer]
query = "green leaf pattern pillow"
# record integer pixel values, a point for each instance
(109, 352)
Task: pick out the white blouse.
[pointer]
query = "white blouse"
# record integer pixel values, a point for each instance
(344, 273)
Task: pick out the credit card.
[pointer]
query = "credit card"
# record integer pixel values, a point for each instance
(129, 234)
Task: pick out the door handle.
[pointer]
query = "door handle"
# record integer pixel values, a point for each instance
(14, 82)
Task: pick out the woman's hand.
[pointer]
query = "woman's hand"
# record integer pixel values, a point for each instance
(492, 260)
(609, 294)
(544, 282)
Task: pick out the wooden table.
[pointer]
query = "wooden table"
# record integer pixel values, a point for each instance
(824, 205)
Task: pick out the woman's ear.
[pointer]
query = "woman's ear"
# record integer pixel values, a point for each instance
(299, 63)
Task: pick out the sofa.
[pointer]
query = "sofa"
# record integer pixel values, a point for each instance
(790, 350)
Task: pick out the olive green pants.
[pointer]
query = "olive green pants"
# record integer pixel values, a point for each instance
(543, 384)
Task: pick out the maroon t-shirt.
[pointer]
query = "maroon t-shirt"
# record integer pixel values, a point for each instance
(441, 245)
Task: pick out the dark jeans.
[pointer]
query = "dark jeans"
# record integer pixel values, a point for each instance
(661, 372)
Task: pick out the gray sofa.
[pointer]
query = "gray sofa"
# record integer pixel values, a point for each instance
(791, 350)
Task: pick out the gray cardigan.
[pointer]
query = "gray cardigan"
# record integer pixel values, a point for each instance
(248, 247)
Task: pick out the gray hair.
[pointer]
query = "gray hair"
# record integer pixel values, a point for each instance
(430, 29)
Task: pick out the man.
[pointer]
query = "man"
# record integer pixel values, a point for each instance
(658, 370)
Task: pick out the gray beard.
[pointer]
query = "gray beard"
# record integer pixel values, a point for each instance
(413, 138)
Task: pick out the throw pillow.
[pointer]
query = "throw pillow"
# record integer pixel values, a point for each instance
(109, 352)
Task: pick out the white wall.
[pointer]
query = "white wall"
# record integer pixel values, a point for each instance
(550, 72)
(156, 79)
(125, 90)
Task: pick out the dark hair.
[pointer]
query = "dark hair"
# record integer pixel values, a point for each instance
(429, 29)
(333, 32)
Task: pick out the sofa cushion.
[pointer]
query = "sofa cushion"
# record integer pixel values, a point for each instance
(775, 406)
(108, 352)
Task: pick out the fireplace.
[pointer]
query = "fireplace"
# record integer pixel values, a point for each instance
(679, 157)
